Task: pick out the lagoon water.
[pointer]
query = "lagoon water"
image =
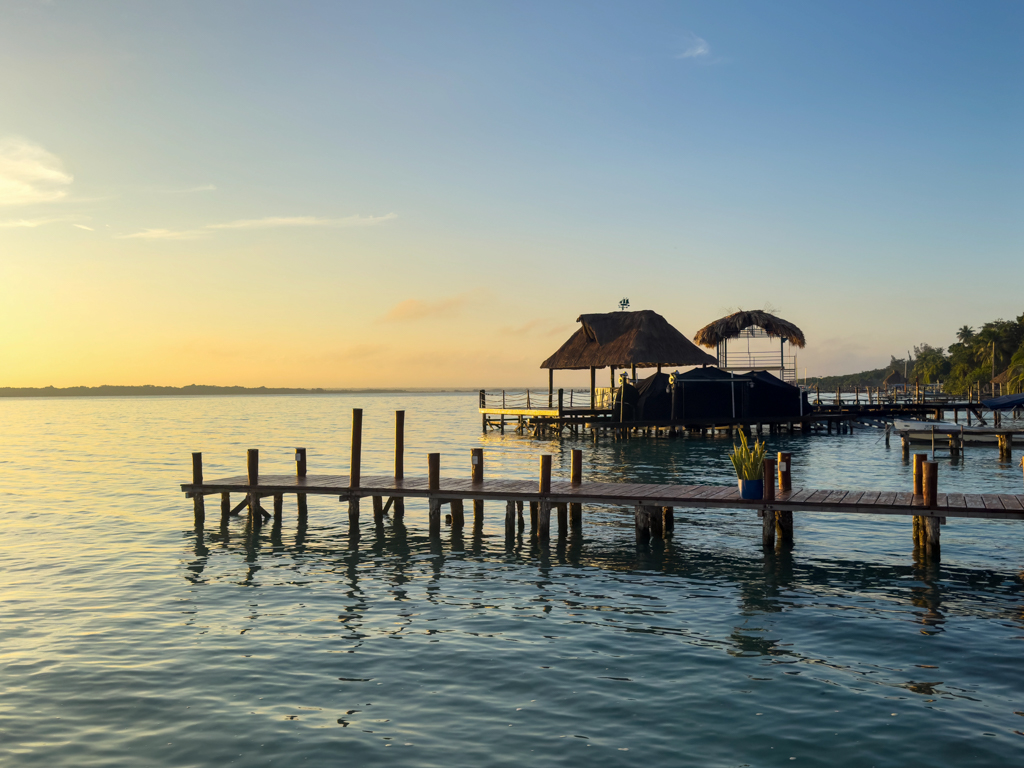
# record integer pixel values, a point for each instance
(125, 640)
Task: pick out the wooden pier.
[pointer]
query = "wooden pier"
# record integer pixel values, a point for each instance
(653, 504)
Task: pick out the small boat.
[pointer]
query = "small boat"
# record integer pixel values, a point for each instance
(920, 431)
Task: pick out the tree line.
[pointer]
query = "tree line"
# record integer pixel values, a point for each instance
(977, 356)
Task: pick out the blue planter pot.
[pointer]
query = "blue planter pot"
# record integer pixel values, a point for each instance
(751, 489)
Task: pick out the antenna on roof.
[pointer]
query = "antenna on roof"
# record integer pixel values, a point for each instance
(624, 305)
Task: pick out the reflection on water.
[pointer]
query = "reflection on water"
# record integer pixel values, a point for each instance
(307, 638)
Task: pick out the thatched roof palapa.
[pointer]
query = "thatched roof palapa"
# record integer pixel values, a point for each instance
(713, 334)
(623, 339)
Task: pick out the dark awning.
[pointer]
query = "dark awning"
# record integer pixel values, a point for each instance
(1004, 403)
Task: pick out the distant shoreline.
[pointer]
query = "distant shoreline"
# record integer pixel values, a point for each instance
(149, 390)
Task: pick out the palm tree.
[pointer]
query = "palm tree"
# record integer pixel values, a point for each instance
(965, 334)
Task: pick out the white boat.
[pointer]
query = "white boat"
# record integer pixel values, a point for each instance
(920, 431)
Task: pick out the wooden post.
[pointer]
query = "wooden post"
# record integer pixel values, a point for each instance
(784, 526)
(357, 447)
(225, 507)
(300, 462)
(919, 460)
(576, 478)
(252, 465)
(433, 471)
(545, 474)
(563, 518)
(278, 507)
(642, 523)
(905, 446)
(768, 523)
(767, 480)
(510, 518)
(931, 480)
(551, 385)
(477, 458)
(458, 515)
(544, 520)
(534, 514)
(593, 388)
(378, 509)
(434, 516)
(668, 520)
(785, 471)
(399, 445)
(198, 502)
(932, 545)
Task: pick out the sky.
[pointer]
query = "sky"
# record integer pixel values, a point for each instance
(428, 194)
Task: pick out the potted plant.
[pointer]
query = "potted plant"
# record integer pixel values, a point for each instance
(749, 464)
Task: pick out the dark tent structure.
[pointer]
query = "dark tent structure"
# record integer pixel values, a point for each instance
(642, 339)
(894, 379)
(711, 394)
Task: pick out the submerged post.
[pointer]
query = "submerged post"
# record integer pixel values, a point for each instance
(544, 488)
(399, 501)
(198, 503)
(931, 522)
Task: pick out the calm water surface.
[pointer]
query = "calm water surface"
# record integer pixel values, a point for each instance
(128, 641)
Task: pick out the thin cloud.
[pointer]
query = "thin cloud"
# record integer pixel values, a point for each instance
(418, 309)
(29, 174)
(33, 223)
(695, 47)
(304, 221)
(163, 234)
(87, 229)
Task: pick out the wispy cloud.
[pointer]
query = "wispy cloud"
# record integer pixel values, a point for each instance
(304, 221)
(694, 47)
(33, 223)
(29, 174)
(419, 309)
(163, 234)
(87, 229)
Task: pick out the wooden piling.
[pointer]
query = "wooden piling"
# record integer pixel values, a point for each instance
(357, 448)
(458, 515)
(668, 520)
(932, 545)
(930, 476)
(768, 480)
(534, 514)
(225, 507)
(510, 518)
(399, 445)
(198, 502)
(576, 478)
(785, 471)
(477, 458)
(252, 466)
(545, 474)
(768, 525)
(919, 460)
(378, 509)
(433, 471)
(563, 518)
(278, 507)
(905, 446)
(300, 462)
(544, 519)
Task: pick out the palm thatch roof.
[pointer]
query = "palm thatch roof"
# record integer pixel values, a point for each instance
(623, 339)
(713, 334)
(1002, 378)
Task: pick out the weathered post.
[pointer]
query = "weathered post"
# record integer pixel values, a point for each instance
(300, 471)
(544, 488)
(354, 467)
(510, 519)
(399, 502)
(278, 507)
(931, 522)
(225, 507)
(905, 446)
(668, 520)
(252, 466)
(768, 480)
(198, 503)
(378, 509)
(477, 457)
(785, 471)
(433, 484)
(576, 478)
(458, 514)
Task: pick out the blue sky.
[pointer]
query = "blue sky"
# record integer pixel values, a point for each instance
(340, 194)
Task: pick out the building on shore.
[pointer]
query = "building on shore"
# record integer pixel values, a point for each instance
(748, 350)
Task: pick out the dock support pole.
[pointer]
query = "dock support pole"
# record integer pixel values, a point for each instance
(278, 507)
(919, 520)
(399, 503)
(768, 530)
(905, 446)
(252, 466)
(433, 484)
(378, 509)
(544, 506)
(458, 514)
(300, 471)
(354, 465)
(510, 518)
(668, 520)
(576, 478)
(785, 471)
(478, 477)
(563, 518)
(534, 513)
(198, 503)
(225, 507)
(931, 522)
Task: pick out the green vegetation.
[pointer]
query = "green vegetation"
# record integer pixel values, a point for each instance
(748, 461)
(960, 366)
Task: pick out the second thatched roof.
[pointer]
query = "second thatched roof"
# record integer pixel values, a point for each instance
(622, 339)
(730, 327)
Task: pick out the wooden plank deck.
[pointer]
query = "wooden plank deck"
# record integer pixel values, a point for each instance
(990, 506)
